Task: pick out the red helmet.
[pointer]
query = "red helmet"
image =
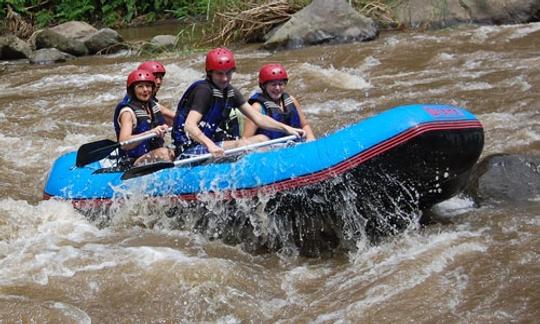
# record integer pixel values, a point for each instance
(152, 66)
(220, 59)
(139, 76)
(271, 72)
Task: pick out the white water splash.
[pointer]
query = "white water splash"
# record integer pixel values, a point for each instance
(383, 273)
(523, 30)
(454, 206)
(344, 105)
(344, 79)
(51, 239)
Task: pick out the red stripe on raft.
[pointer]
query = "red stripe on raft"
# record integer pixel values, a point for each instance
(331, 172)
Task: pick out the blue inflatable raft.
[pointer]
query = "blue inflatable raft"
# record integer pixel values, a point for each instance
(422, 153)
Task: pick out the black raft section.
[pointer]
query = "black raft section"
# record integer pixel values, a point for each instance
(379, 197)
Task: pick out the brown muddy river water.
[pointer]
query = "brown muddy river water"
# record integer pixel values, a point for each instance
(479, 265)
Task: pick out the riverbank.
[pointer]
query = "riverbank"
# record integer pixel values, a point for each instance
(278, 24)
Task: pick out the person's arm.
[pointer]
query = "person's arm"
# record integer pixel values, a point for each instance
(192, 129)
(126, 128)
(303, 121)
(249, 126)
(168, 114)
(266, 122)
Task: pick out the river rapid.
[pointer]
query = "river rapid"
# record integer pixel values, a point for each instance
(473, 264)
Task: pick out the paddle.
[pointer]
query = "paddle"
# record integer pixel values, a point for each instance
(151, 168)
(95, 151)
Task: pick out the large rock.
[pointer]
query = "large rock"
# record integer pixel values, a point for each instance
(12, 47)
(75, 29)
(48, 38)
(323, 21)
(440, 13)
(165, 42)
(105, 39)
(506, 178)
(48, 56)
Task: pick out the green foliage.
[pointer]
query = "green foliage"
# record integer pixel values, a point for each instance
(17, 5)
(131, 9)
(109, 13)
(44, 18)
(74, 10)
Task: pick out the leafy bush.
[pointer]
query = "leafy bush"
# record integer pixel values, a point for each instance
(111, 12)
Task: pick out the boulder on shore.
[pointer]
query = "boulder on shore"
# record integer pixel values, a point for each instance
(104, 39)
(429, 13)
(164, 42)
(323, 21)
(48, 56)
(75, 29)
(48, 38)
(12, 47)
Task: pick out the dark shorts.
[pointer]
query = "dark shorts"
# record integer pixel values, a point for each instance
(197, 150)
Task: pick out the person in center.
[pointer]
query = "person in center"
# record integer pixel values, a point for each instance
(273, 101)
(203, 113)
(136, 115)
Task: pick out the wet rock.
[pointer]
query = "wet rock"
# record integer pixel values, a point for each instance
(323, 21)
(163, 42)
(429, 13)
(75, 29)
(49, 38)
(105, 39)
(48, 56)
(12, 48)
(506, 178)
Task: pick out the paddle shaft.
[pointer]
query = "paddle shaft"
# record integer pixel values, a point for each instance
(235, 150)
(141, 138)
(151, 168)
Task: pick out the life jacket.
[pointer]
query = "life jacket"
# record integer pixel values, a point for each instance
(218, 124)
(145, 123)
(289, 116)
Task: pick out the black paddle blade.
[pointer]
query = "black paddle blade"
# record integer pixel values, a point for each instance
(95, 151)
(146, 169)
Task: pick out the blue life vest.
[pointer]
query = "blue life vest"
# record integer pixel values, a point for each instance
(145, 123)
(289, 116)
(217, 124)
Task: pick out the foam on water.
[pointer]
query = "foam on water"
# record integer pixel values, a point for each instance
(482, 33)
(391, 41)
(519, 82)
(81, 100)
(30, 232)
(74, 313)
(27, 148)
(384, 272)
(445, 57)
(52, 239)
(301, 274)
(344, 105)
(177, 80)
(523, 30)
(520, 129)
(74, 81)
(344, 79)
(368, 63)
(455, 206)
